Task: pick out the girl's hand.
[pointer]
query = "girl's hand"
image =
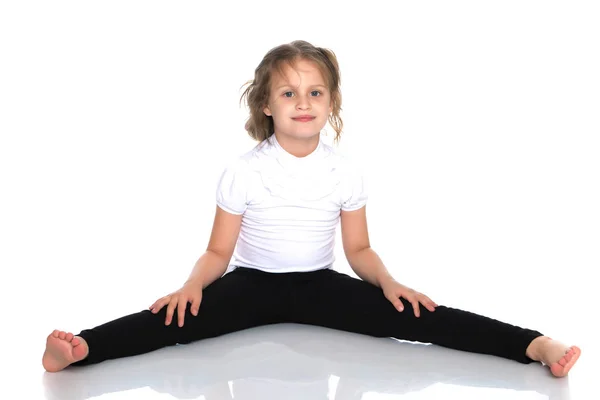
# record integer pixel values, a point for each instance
(394, 290)
(190, 292)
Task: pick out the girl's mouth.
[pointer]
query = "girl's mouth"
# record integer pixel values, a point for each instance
(303, 119)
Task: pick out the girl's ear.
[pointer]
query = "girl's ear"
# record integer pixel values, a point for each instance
(267, 111)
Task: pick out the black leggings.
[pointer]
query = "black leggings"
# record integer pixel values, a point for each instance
(247, 298)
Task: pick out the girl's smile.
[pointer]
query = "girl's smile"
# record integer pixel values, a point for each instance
(304, 118)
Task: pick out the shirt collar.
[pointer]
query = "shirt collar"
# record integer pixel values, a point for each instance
(288, 160)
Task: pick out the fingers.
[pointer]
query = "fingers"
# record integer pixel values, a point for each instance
(415, 304)
(426, 301)
(196, 304)
(415, 300)
(181, 309)
(159, 304)
(397, 303)
(177, 300)
(429, 304)
(400, 307)
(170, 310)
(412, 299)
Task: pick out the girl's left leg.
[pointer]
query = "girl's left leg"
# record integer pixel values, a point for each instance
(334, 300)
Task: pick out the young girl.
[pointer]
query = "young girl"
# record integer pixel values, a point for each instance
(277, 211)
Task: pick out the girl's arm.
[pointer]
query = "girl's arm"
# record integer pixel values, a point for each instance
(369, 267)
(214, 262)
(362, 259)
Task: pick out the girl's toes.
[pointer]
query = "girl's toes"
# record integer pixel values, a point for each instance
(557, 370)
(562, 367)
(69, 337)
(563, 361)
(568, 356)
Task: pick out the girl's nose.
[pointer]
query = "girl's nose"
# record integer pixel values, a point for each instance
(303, 103)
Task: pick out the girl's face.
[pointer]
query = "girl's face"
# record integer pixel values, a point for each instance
(299, 102)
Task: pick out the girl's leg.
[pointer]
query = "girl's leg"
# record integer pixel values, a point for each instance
(338, 301)
(241, 299)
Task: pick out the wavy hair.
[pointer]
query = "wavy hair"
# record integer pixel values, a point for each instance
(256, 95)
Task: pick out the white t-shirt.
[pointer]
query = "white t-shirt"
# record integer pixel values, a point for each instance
(290, 205)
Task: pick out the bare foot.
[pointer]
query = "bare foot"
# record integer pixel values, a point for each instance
(559, 357)
(63, 349)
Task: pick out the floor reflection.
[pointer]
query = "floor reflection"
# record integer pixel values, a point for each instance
(304, 362)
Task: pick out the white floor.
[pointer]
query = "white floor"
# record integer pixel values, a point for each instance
(292, 362)
(300, 362)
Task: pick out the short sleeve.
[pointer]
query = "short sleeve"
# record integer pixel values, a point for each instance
(355, 190)
(231, 190)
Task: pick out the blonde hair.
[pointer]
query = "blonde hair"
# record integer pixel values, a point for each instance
(256, 95)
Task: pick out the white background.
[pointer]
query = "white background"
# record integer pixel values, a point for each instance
(478, 123)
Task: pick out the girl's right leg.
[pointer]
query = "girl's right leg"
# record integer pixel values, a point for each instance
(241, 299)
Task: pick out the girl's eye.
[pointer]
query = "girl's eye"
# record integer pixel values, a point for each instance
(314, 93)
